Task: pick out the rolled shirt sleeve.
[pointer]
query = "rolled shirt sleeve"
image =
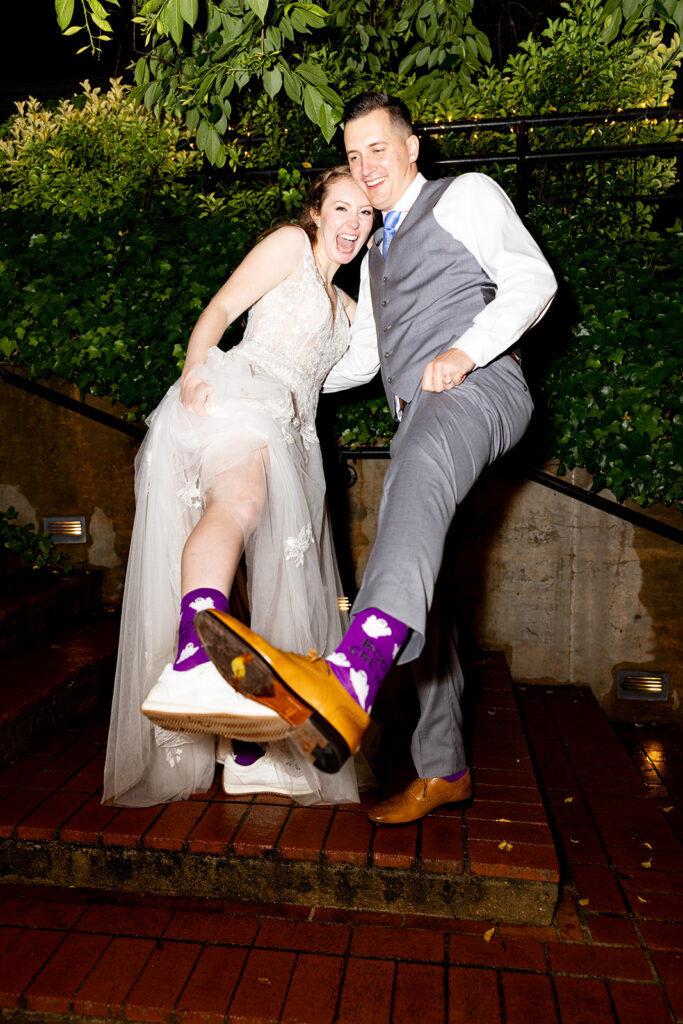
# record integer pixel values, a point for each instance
(478, 213)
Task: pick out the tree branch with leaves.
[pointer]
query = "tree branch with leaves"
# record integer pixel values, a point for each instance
(210, 61)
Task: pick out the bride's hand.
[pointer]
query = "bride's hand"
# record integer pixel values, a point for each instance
(194, 393)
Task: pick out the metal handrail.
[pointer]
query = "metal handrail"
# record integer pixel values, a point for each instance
(524, 156)
(76, 405)
(555, 483)
(580, 117)
(137, 431)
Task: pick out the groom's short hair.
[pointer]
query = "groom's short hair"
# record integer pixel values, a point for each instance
(368, 102)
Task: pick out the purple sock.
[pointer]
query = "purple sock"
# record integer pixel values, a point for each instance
(455, 777)
(246, 753)
(364, 656)
(190, 650)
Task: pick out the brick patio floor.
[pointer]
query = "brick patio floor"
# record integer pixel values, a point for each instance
(495, 859)
(612, 952)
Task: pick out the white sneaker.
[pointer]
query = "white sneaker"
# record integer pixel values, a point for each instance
(278, 771)
(200, 700)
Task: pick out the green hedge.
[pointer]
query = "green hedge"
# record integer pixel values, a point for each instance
(102, 286)
(613, 396)
(109, 302)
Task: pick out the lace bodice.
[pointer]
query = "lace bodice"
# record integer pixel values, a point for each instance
(293, 335)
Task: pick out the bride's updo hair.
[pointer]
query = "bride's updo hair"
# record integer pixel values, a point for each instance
(316, 197)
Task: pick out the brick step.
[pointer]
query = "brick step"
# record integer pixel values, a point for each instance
(52, 684)
(612, 954)
(494, 859)
(35, 606)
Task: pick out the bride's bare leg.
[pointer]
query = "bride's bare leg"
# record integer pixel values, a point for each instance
(213, 549)
(235, 502)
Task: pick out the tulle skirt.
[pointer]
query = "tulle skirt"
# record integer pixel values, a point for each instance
(250, 450)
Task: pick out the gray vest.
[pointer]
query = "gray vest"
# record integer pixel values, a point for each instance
(425, 295)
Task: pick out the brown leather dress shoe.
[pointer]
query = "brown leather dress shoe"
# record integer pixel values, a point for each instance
(327, 723)
(421, 797)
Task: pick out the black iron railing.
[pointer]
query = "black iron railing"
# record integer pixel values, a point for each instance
(526, 155)
(137, 431)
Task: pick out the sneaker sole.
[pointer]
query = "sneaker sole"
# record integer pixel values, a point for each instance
(316, 739)
(239, 789)
(232, 727)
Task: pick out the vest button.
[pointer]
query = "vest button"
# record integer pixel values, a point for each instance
(384, 302)
(387, 354)
(389, 380)
(385, 278)
(386, 328)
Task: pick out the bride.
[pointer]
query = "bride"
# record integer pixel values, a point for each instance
(232, 464)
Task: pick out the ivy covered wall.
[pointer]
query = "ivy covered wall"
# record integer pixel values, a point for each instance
(112, 240)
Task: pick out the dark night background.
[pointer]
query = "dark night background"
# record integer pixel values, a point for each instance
(35, 59)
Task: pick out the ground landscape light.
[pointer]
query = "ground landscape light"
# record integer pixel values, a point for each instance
(633, 684)
(65, 529)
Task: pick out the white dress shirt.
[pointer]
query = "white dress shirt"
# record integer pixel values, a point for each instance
(478, 213)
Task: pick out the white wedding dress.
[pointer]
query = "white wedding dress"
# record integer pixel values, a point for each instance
(259, 430)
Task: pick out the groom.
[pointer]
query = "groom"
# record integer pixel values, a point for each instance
(450, 283)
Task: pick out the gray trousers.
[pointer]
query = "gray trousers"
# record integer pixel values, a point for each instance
(442, 445)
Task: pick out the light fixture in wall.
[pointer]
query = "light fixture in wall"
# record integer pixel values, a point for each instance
(632, 684)
(65, 529)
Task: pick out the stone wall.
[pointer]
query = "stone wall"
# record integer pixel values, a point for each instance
(57, 462)
(569, 593)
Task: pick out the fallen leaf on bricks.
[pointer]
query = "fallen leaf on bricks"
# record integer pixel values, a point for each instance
(646, 863)
(569, 799)
(489, 934)
(667, 809)
(584, 903)
(504, 821)
(572, 840)
(505, 846)
(640, 899)
(648, 845)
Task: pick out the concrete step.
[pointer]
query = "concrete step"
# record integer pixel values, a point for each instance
(492, 860)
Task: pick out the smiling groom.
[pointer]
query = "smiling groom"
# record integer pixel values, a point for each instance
(451, 282)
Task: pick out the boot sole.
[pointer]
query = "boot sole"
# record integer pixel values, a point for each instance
(315, 737)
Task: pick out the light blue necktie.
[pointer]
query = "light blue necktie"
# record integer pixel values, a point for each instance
(390, 224)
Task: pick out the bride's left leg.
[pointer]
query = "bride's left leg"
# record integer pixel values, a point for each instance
(237, 502)
(190, 695)
(213, 549)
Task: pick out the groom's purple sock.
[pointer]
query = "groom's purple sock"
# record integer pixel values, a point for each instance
(456, 777)
(365, 654)
(190, 650)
